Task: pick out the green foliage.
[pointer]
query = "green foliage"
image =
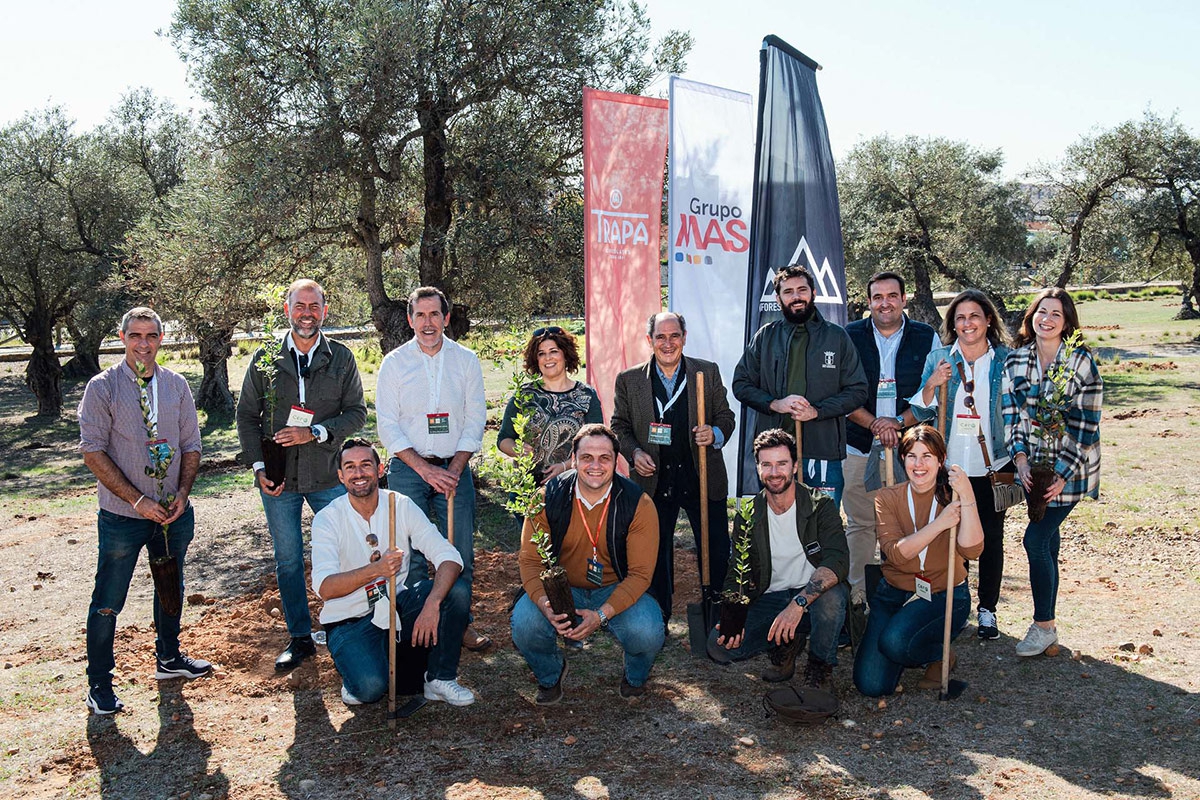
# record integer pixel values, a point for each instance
(1050, 416)
(270, 349)
(160, 457)
(740, 564)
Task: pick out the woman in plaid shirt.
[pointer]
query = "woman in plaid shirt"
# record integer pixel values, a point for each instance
(1075, 455)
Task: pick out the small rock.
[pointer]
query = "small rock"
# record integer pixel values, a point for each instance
(1128, 647)
(175, 716)
(9, 664)
(900, 687)
(1155, 632)
(275, 610)
(12, 751)
(76, 541)
(1077, 656)
(866, 745)
(13, 588)
(198, 599)
(1145, 649)
(746, 741)
(308, 784)
(570, 740)
(1027, 723)
(207, 796)
(38, 586)
(978, 725)
(220, 673)
(1083, 675)
(899, 722)
(264, 717)
(849, 723)
(882, 704)
(383, 784)
(879, 734)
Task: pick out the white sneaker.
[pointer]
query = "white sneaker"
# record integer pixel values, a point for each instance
(450, 691)
(1036, 640)
(348, 698)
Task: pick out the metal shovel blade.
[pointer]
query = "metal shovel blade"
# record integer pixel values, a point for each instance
(954, 688)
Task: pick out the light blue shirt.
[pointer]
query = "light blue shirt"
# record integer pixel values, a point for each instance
(669, 385)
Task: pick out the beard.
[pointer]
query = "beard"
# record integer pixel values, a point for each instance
(306, 329)
(783, 488)
(365, 491)
(798, 318)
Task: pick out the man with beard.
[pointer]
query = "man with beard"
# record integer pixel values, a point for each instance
(803, 370)
(798, 564)
(318, 403)
(431, 409)
(655, 419)
(351, 565)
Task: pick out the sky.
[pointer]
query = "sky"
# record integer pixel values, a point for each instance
(1027, 77)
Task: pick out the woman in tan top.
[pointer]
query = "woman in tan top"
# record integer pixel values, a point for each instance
(913, 519)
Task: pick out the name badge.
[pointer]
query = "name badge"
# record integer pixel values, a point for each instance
(595, 572)
(159, 450)
(300, 417)
(966, 425)
(812, 548)
(660, 433)
(886, 390)
(924, 588)
(375, 590)
(438, 423)
(828, 491)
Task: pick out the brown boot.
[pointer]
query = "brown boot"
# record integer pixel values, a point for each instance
(783, 661)
(932, 679)
(817, 673)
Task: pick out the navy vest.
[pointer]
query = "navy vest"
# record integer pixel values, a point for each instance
(916, 343)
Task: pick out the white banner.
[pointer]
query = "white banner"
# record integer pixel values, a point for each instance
(711, 187)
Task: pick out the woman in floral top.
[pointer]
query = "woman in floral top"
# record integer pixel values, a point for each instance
(557, 405)
(1070, 443)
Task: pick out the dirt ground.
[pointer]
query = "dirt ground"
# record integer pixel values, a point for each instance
(1115, 715)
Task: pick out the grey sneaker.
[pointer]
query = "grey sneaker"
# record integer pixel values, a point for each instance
(182, 666)
(988, 629)
(1036, 640)
(102, 700)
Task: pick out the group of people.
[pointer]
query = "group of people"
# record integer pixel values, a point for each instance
(827, 405)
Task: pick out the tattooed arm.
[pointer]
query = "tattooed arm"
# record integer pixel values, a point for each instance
(822, 581)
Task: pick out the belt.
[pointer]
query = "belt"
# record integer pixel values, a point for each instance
(437, 461)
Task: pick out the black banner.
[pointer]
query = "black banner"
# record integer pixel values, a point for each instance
(795, 216)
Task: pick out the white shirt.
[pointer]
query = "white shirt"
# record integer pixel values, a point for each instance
(790, 567)
(963, 448)
(413, 385)
(339, 544)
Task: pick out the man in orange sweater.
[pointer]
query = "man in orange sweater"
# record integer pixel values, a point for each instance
(604, 532)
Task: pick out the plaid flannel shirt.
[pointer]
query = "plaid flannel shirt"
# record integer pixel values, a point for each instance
(1078, 449)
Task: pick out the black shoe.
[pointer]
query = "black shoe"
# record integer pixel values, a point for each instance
(102, 700)
(301, 648)
(549, 695)
(988, 627)
(783, 661)
(629, 691)
(181, 666)
(817, 673)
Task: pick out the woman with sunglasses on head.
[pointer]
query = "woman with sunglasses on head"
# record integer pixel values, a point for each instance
(972, 363)
(1049, 322)
(557, 404)
(914, 519)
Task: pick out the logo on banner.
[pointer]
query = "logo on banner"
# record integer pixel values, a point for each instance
(615, 229)
(708, 225)
(828, 290)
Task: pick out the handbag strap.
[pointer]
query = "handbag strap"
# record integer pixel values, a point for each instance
(987, 460)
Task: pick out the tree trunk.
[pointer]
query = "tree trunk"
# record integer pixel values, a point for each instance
(214, 395)
(921, 305)
(44, 372)
(86, 361)
(439, 215)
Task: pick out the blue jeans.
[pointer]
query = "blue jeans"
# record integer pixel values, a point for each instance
(821, 623)
(121, 540)
(831, 481)
(402, 479)
(1041, 545)
(283, 521)
(360, 653)
(639, 629)
(900, 636)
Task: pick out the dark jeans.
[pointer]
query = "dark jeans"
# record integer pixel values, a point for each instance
(1041, 545)
(900, 636)
(359, 649)
(121, 540)
(821, 624)
(991, 561)
(718, 540)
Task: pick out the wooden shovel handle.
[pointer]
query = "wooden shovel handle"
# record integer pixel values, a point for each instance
(949, 607)
(392, 616)
(943, 398)
(704, 573)
(450, 518)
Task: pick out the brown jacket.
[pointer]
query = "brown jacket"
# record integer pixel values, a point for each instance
(893, 523)
(634, 410)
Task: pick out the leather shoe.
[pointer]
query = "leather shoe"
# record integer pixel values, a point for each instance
(301, 648)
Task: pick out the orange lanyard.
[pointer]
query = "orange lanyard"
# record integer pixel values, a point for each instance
(595, 540)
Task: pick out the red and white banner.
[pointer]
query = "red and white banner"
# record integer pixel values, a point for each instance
(712, 188)
(624, 149)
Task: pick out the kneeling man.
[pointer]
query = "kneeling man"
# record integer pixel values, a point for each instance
(604, 532)
(351, 564)
(798, 566)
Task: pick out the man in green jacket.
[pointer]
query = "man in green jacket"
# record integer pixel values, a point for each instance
(796, 576)
(318, 404)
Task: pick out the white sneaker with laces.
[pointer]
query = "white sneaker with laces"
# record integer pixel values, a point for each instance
(449, 691)
(1036, 640)
(348, 698)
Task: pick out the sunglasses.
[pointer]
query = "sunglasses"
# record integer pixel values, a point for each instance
(373, 541)
(549, 329)
(969, 386)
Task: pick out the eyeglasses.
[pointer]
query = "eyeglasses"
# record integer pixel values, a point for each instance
(373, 541)
(549, 329)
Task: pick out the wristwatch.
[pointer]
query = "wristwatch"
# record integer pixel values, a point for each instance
(313, 430)
(800, 600)
(603, 617)
(900, 421)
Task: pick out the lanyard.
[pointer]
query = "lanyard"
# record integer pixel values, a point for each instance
(435, 383)
(662, 410)
(912, 513)
(595, 540)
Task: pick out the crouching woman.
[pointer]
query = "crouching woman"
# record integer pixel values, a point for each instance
(913, 519)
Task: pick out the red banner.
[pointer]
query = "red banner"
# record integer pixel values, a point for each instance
(624, 150)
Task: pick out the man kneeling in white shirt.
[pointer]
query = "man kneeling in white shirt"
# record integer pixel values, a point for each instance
(351, 564)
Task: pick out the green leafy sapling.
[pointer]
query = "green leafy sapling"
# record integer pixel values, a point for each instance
(1050, 416)
(741, 554)
(161, 454)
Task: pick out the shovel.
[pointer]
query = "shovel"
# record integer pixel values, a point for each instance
(391, 715)
(950, 688)
(700, 615)
(412, 659)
